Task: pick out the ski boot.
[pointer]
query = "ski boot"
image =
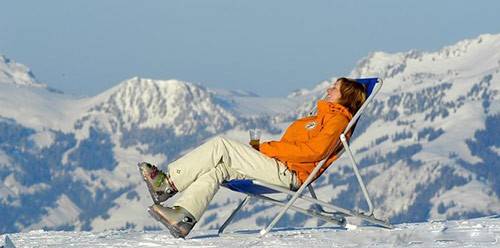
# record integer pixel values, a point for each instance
(177, 219)
(159, 184)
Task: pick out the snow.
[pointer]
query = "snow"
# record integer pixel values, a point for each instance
(150, 103)
(43, 138)
(4, 159)
(17, 188)
(481, 232)
(12, 72)
(493, 149)
(467, 121)
(38, 108)
(65, 212)
(466, 198)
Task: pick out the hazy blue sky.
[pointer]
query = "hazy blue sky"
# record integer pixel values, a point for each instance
(271, 47)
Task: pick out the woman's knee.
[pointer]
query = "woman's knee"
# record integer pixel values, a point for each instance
(218, 140)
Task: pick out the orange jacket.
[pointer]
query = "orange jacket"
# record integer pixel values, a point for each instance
(308, 140)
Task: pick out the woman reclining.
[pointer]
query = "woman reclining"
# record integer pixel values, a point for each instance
(287, 163)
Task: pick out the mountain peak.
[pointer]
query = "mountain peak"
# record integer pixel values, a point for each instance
(388, 65)
(12, 72)
(150, 103)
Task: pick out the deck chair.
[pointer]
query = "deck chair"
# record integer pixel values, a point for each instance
(260, 190)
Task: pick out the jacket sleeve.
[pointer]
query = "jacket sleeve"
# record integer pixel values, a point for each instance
(313, 150)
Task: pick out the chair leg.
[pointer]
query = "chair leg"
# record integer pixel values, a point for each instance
(295, 196)
(240, 205)
(358, 175)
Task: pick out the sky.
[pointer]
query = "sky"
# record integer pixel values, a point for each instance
(270, 47)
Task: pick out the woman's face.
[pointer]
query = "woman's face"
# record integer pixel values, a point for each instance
(334, 94)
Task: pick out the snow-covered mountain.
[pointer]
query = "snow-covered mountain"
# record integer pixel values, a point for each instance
(12, 72)
(443, 109)
(428, 147)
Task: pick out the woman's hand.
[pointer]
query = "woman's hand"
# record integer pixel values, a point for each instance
(255, 144)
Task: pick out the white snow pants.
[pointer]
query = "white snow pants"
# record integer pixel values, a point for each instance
(199, 173)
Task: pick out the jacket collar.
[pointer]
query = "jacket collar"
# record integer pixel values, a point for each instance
(325, 107)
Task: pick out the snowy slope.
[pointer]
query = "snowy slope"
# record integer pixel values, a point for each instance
(446, 97)
(431, 150)
(484, 232)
